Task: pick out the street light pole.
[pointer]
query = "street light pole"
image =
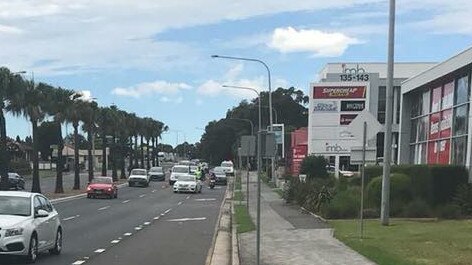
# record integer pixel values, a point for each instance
(259, 162)
(385, 204)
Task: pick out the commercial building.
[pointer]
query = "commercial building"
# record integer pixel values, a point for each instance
(344, 90)
(435, 122)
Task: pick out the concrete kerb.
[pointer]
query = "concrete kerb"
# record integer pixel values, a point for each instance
(222, 237)
(314, 215)
(69, 198)
(235, 258)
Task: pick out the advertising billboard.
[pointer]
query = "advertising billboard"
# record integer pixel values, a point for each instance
(353, 105)
(339, 92)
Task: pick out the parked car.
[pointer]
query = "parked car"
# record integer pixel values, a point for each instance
(187, 183)
(138, 176)
(157, 173)
(177, 171)
(220, 174)
(16, 181)
(228, 167)
(102, 187)
(29, 225)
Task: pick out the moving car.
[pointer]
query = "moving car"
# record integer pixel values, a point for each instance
(157, 173)
(102, 187)
(187, 183)
(29, 225)
(193, 170)
(138, 176)
(220, 174)
(228, 167)
(178, 171)
(16, 181)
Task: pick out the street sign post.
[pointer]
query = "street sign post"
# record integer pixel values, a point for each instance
(365, 126)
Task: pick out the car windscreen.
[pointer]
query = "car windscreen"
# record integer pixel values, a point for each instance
(218, 170)
(138, 172)
(10, 205)
(102, 180)
(226, 164)
(156, 169)
(187, 178)
(180, 169)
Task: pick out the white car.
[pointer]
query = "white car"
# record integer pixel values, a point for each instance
(228, 167)
(29, 224)
(187, 183)
(178, 171)
(138, 176)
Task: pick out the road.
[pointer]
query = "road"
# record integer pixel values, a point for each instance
(143, 226)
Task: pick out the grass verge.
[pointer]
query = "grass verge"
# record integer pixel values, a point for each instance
(243, 219)
(407, 242)
(279, 191)
(238, 196)
(237, 182)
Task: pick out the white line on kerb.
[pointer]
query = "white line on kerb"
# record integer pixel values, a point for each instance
(104, 208)
(168, 210)
(100, 250)
(79, 262)
(137, 228)
(147, 223)
(127, 234)
(204, 200)
(116, 241)
(125, 201)
(156, 218)
(142, 195)
(70, 218)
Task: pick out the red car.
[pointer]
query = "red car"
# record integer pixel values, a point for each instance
(102, 187)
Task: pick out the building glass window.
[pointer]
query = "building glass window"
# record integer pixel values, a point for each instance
(460, 120)
(380, 144)
(414, 131)
(423, 128)
(425, 102)
(459, 150)
(462, 90)
(417, 104)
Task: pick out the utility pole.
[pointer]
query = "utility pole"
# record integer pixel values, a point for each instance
(385, 204)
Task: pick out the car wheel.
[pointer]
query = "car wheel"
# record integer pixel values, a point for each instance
(89, 196)
(58, 245)
(33, 250)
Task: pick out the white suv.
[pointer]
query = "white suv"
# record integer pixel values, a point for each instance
(29, 224)
(178, 171)
(228, 167)
(138, 176)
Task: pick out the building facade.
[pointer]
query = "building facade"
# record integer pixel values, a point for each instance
(344, 90)
(435, 123)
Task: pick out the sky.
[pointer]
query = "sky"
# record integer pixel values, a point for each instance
(153, 57)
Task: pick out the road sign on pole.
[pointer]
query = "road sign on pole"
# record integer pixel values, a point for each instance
(356, 127)
(248, 145)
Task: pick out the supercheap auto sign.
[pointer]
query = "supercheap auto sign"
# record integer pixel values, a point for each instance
(332, 92)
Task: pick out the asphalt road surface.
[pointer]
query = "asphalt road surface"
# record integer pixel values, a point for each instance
(143, 226)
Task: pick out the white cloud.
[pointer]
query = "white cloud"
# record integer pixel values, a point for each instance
(10, 30)
(176, 100)
(329, 44)
(147, 89)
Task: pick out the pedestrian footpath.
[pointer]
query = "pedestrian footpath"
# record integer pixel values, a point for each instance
(289, 236)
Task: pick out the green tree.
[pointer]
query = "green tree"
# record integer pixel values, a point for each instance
(314, 167)
(48, 133)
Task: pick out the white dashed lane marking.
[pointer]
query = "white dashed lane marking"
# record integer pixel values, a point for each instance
(168, 210)
(137, 228)
(127, 234)
(70, 218)
(100, 250)
(180, 203)
(104, 208)
(147, 223)
(115, 241)
(204, 200)
(142, 195)
(156, 218)
(187, 219)
(78, 262)
(188, 197)
(125, 201)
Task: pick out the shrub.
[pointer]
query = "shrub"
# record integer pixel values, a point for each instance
(400, 192)
(371, 172)
(448, 211)
(371, 213)
(314, 167)
(21, 167)
(345, 204)
(417, 208)
(445, 181)
(463, 199)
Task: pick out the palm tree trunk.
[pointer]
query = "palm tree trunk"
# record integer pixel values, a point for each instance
(147, 154)
(59, 163)
(135, 151)
(153, 153)
(104, 155)
(122, 161)
(89, 153)
(131, 152)
(4, 160)
(113, 153)
(36, 185)
(157, 151)
(76, 156)
(142, 152)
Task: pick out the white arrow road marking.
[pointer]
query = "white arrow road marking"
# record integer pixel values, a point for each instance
(78, 262)
(100, 250)
(125, 201)
(204, 200)
(70, 218)
(142, 195)
(104, 208)
(187, 219)
(116, 241)
(127, 234)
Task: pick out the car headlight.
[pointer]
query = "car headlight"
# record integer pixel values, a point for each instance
(13, 232)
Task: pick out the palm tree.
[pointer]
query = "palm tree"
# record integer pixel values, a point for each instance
(89, 117)
(30, 105)
(58, 101)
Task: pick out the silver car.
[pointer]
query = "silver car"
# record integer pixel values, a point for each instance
(29, 224)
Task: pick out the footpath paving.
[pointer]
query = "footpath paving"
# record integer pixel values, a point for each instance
(289, 236)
